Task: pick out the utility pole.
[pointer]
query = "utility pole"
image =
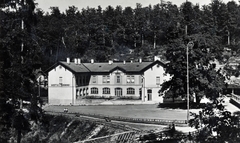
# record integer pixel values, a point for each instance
(189, 45)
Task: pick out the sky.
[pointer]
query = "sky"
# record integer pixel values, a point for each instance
(64, 4)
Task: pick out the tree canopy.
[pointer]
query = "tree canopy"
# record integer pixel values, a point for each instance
(20, 58)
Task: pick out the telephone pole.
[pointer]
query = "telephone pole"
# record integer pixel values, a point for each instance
(189, 45)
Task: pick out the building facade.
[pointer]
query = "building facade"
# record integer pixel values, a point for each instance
(69, 81)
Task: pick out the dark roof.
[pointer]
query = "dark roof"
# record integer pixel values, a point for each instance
(127, 67)
(78, 68)
(106, 67)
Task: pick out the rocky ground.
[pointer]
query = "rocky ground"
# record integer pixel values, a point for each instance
(62, 129)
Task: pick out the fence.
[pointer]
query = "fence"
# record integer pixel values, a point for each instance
(131, 137)
(134, 120)
(235, 100)
(130, 134)
(125, 137)
(110, 124)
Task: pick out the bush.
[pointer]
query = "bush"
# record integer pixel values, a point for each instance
(98, 97)
(129, 98)
(183, 105)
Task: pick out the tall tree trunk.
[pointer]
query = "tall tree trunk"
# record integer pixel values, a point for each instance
(154, 41)
(22, 45)
(142, 40)
(229, 38)
(135, 42)
(186, 30)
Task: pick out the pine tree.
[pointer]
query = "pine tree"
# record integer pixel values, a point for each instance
(19, 61)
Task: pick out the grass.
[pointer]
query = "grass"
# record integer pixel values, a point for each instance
(131, 111)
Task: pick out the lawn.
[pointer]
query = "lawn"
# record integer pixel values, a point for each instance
(131, 111)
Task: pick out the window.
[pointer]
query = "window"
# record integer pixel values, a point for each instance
(106, 90)
(130, 79)
(84, 92)
(87, 91)
(118, 78)
(60, 80)
(130, 91)
(94, 90)
(80, 92)
(94, 79)
(106, 79)
(158, 80)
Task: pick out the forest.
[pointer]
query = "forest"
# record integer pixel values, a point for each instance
(129, 33)
(31, 39)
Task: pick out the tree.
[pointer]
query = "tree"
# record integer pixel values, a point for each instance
(204, 79)
(6, 110)
(19, 59)
(216, 124)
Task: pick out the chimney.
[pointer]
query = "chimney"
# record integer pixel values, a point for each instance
(68, 60)
(110, 62)
(75, 61)
(124, 62)
(140, 60)
(79, 61)
(92, 61)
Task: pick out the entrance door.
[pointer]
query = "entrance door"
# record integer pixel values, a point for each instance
(149, 94)
(118, 91)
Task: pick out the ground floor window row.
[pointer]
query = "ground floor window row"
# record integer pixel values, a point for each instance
(106, 90)
(117, 91)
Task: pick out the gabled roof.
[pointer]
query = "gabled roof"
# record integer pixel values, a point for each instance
(127, 67)
(77, 68)
(106, 67)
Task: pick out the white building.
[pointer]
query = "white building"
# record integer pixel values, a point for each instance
(69, 81)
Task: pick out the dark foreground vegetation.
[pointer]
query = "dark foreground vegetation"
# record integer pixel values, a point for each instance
(63, 129)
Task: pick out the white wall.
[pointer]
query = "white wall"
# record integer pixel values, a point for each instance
(61, 94)
(112, 85)
(150, 82)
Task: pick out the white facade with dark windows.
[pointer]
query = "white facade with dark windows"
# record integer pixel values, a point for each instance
(70, 81)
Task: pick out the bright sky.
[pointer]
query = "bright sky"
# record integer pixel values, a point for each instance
(64, 4)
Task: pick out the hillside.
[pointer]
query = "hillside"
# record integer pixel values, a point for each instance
(63, 129)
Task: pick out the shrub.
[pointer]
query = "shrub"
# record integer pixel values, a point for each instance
(182, 105)
(129, 98)
(98, 97)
